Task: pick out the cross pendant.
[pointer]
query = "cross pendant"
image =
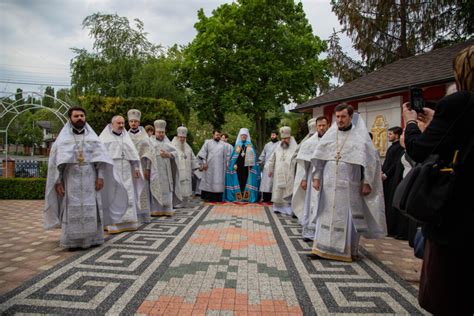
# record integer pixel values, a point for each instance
(80, 157)
(338, 157)
(123, 155)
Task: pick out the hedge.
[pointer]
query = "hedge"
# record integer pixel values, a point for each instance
(22, 188)
(100, 111)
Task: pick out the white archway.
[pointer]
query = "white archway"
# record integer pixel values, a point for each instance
(9, 105)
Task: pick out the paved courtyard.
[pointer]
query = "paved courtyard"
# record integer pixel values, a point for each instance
(209, 260)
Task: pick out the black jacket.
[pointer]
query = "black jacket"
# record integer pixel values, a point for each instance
(458, 109)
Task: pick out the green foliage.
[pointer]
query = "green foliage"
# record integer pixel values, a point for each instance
(298, 123)
(47, 115)
(234, 122)
(157, 78)
(22, 188)
(125, 64)
(48, 100)
(385, 31)
(200, 131)
(253, 56)
(100, 111)
(119, 49)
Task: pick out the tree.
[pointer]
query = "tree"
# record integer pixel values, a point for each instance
(100, 111)
(119, 50)
(19, 96)
(253, 56)
(158, 78)
(28, 134)
(125, 64)
(48, 99)
(385, 31)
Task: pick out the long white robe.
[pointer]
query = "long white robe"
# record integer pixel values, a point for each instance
(343, 213)
(311, 197)
(266, 181)
(187, 163)
(281, 166)
(217, 156)
(297, 200)
(166, 183)
(142, 143)
(77, 161)
(126, 161)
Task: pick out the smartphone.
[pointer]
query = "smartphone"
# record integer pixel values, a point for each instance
(417, 103)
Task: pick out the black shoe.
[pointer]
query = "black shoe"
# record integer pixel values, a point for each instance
(294, 216)
(307, 240)
(312, 256)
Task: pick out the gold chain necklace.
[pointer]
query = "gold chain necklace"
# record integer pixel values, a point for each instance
(80, 148)
(338, 150)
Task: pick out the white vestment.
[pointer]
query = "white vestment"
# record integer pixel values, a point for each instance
(266, 182)
(77, 161)
(166, 183)
(126, 161)
(343, 161)
(187, 163)
(216, 155)
(281, 166)
(310, 198)
(297, 200)
(142, 143)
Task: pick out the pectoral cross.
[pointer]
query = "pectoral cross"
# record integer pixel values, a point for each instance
(80, 156)
(338, 157)
(123, 155)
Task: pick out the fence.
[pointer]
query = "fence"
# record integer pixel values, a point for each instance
(29, 169)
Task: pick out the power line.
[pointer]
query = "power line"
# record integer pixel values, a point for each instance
(36, 83)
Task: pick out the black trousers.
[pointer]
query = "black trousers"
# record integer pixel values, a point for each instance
(266, 196)
(211, 196)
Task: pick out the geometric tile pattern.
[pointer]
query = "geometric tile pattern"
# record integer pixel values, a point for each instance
(113, 278)
(213, 260)
(365, 286)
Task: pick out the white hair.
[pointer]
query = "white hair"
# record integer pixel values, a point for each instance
(115, 117)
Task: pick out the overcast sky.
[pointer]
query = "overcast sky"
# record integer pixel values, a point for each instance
(36, 35)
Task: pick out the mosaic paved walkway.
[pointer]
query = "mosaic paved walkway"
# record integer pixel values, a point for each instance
(212, 260)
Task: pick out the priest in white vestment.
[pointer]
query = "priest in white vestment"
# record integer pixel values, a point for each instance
(127, 166)
(311, 197)
(297, 200)
(142, 142)
(281, 169)
(187, 164)
(214, 158)
(266, 182)
(348, 176)
(166, 183)
(79, 188)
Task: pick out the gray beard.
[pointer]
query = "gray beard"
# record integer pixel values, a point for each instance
(284, 145)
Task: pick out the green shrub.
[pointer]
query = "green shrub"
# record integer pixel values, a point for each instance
(22, 188)
(100, 111)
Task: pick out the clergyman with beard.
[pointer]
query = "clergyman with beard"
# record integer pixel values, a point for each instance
(187, 164)
(282, 171)
(214, 159)
(266, 182)
(76, 199)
